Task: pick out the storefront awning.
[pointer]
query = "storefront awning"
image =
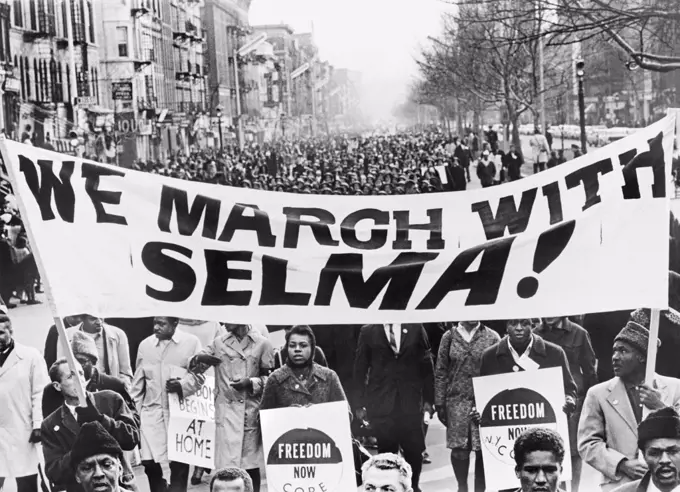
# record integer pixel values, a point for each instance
(98, 109)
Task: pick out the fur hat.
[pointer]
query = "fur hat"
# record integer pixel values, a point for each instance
(659, 424)
(93, 439)
(82, 343)
(635, 335)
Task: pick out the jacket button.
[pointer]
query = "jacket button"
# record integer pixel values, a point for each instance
(240, 401)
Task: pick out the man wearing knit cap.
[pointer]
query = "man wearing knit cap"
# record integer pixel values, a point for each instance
(659, 441)
(612, 410)
(85, 351)
(96, 459)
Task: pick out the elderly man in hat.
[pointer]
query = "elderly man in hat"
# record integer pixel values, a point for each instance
(60, 428)
(22, 377)
(85, 352)
(659, 442)
(96, 460)
(612, 410)
(113, 349)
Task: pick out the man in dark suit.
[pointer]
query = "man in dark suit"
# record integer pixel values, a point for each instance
(395, 376)
(60, 429)
(85, 351)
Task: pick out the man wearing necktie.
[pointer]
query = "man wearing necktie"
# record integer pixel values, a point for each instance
(394, 375)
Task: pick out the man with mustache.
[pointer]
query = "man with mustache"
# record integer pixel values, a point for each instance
(96, 459)
(659, 441)
(612, 410)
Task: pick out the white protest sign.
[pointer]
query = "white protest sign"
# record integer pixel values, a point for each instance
(308, 448)
(511, 403)
(117, 242)
(191, 430)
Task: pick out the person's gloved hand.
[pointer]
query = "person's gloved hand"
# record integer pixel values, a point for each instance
(207, 359)
(242, 384)
(441, 414)
(88, 413)
(35, 437)
(174, 386)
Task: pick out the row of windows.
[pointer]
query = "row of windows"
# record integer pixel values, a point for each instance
(43, 16)
(43, 81)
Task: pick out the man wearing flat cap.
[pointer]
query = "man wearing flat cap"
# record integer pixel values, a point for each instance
(97, 459)
(659, 442)
(612, 410)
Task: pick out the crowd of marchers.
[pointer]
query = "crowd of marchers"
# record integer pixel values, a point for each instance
(390, 375)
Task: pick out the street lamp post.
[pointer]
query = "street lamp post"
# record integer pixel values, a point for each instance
(218, 110)
(580, 65)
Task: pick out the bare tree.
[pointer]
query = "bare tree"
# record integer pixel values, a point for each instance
(493, 58)
(647, 31)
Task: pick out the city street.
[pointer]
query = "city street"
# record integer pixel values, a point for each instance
(31, 324)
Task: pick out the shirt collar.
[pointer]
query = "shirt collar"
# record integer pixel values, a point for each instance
(174, 338)
(526, 352)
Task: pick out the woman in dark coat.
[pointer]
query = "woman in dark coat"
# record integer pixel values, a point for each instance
(300, 381)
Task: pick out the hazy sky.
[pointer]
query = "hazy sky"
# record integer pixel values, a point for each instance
(380, 38)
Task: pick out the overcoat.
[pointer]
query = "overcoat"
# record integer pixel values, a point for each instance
(237, 413)
(607, 430)
(284, 390)
(22, 378)
(117, 363)
(457, 363)
(156, 363)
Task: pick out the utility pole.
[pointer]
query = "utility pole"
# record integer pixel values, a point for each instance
(580, 73)
(72, 58)
(541, 75)
(239, 122)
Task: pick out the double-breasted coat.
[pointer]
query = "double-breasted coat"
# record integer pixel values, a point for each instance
(156, 363)
(237, 413)
(22, 378)
(458, 362)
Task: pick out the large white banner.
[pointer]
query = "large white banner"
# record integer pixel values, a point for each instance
(511, 403)
(308, 448)
(191, 430)
(589, 235)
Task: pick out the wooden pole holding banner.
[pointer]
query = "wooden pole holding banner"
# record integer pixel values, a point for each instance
(59, 323)
(653, 346)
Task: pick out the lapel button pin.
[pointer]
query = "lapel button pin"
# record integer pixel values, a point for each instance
(404, 330)
(515, 368)
(56, 428)
(615, 402)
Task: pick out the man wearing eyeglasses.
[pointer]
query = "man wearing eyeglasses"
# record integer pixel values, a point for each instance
(386, 472)
(659, 441)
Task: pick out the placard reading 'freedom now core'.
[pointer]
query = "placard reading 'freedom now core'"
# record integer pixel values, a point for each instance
(117, 242)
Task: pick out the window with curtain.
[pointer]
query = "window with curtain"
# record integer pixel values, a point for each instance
(122, 41)
(53, 77)
(27, 76)
(90, 20)
(59, 83)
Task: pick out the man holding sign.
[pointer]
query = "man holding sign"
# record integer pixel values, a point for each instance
(242, 359)
(162, 368)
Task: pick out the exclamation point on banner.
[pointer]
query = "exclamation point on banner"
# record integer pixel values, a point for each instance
(549, 246)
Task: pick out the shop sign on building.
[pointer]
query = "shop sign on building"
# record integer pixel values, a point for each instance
(122, 91)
